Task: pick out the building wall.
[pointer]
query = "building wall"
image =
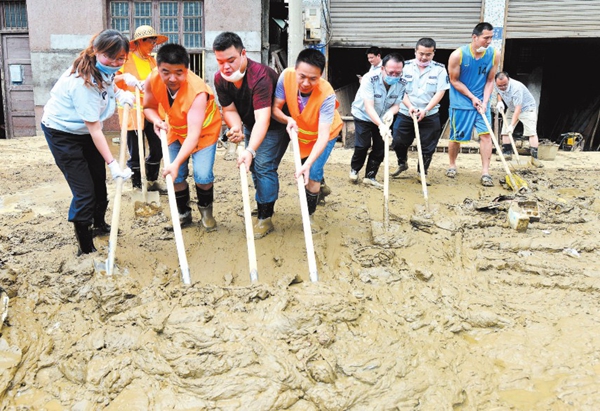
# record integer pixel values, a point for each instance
(56, 37)
(224, 15)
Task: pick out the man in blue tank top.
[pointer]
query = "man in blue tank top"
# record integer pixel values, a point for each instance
(472, 69)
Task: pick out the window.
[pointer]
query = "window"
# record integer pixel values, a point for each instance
(13, 15)
(180, 20)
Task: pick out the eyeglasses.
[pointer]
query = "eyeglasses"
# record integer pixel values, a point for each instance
(120, 61)
(393, 73)
(150, 40)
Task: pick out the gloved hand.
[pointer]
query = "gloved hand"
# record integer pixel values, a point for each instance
(130, 79)
(385, 132)
(500, 107)
(116, 172)
(388, 117)
(125, 97)
(510, 128)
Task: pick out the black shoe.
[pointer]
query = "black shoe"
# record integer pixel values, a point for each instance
(100, 229)
(401, 167)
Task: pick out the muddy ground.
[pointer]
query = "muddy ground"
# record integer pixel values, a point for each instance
(457, 311)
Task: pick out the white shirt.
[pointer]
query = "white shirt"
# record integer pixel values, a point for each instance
(422, 86)
(516, 94)
(373, 88)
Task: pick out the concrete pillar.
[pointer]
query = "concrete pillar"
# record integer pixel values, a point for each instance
(296, 31)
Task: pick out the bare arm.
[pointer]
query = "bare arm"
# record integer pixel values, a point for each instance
(259, 131)
(151, 109)
(489, 84)
(95, 129)
(454, 74)
(234, 122)
(278, 114)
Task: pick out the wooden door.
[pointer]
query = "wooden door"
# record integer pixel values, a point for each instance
(18, 86)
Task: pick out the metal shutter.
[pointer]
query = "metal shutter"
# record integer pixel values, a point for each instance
(399, 24)
(552, 19)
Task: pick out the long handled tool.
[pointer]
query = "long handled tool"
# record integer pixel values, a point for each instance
(183, 263)
(421, 163)
(143, 206)
(310, 251)
(514, 181)
(114, 222)
(248, 220)
(512, 140)
(386, 178)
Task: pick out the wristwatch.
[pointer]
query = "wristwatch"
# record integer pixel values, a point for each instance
(248, 149)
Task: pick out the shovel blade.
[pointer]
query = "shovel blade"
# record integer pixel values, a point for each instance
(516, 182)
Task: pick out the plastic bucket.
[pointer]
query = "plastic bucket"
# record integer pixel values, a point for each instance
(547, 152)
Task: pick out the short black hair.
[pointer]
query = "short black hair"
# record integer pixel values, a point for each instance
(478, 30)
(397, 57)
(227, 39)
(501, 74)
(426, 42)
(313, 57)
(373, 50)
(172, 53)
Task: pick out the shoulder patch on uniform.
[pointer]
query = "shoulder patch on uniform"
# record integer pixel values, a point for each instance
(402, 81)
(409, 62)
(375, 79)
(435, 63)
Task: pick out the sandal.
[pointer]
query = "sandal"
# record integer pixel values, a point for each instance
(451, 173)
(486, 180)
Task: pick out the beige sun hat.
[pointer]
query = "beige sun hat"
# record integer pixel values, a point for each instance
(143, 32)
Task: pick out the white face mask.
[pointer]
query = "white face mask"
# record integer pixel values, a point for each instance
(481, 49)
(423, 63)
(234, 77)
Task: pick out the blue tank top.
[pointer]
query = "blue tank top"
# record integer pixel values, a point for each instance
(473, 74)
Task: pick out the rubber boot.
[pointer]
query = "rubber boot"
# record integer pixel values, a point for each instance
(83, 232)
(264, 225)
(100, 226)
(136, 178)
(152, 170)
(205, 205)
(311, 199)
(185, 212)
(506, 152)
(534, 158)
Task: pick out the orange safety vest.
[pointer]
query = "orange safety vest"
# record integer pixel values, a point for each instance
(131, 68)
(178, 112)
(308, 120)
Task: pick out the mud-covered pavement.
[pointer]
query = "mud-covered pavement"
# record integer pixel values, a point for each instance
(453, 311)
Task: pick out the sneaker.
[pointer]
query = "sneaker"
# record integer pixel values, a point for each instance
(372, 182)
(536, 163)
(353, 176)
(401, 167)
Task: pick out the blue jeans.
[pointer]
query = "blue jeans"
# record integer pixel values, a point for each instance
(202, 163)
(265, 164)
(317, 169)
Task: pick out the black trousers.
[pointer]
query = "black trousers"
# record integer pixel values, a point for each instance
(404, 135)
(154, 147)
(84, 169)
(367, 136)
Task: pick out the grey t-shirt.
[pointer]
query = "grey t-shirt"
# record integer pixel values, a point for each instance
(516, 94)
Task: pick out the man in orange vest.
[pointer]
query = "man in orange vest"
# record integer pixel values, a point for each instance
(136, 69)
(193, 125)
(312, 105)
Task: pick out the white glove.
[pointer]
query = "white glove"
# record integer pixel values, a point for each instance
(510, 128)
(385, 132)
(125, 97)
(500, 107)
(130, 79)
(116, 171)
(388, 117)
